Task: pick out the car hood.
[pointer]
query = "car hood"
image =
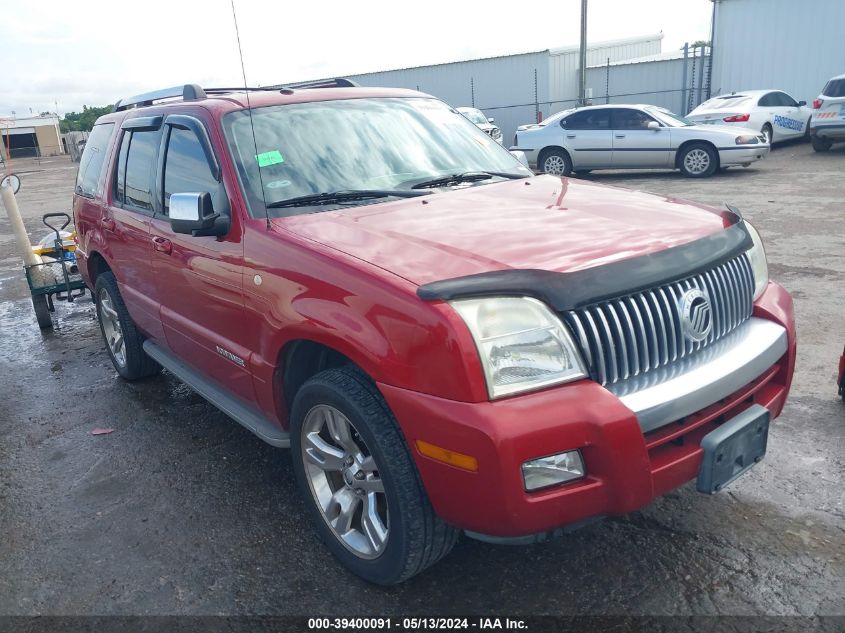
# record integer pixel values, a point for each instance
(545, 222)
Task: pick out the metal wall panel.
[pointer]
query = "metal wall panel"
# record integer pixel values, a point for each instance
(780, 44)
(563, 66)
(658, 82)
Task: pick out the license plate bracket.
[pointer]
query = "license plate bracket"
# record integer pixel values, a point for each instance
(733, 448)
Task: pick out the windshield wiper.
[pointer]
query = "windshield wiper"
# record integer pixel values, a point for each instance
(332, 197)
(467, 176)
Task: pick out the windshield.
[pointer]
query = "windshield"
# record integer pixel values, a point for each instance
(346, 145)
(670, 118)
(476, 116)
(728, 101)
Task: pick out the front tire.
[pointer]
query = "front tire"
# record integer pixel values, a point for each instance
(556, 162)
(821, 144)
(123, 340)
(360, 485)
(699, 160)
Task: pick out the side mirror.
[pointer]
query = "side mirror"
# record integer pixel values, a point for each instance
(520, 156)
(653, 125)
(801, 104)
(193, 214)
(491, 120)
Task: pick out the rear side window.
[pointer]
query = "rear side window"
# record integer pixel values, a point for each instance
(834, 88)
(588, 120)
(769, 100)
(186, 169)
(93, 157)
(135, 168)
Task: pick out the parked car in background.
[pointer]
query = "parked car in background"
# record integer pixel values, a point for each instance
(486, 125)
(828, 123)
(773, 113)
(445, 341)
(634, 137)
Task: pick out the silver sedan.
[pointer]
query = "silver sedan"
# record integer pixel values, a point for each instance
(635, 137)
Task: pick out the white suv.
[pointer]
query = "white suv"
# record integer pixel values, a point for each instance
(827, 125)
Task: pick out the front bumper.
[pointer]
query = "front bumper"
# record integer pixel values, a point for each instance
(742, 154)
(627, 467)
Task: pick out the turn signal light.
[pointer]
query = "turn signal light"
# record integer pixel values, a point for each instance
(737, 118)
(453, 458)
(817, 104)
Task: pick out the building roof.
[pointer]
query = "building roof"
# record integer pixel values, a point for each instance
(657, 57)
(549, 51)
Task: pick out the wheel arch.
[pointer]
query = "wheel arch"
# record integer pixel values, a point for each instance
(95, 266)
(300, 359)
(541, 155)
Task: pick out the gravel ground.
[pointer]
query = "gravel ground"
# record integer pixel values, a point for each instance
(181, 511)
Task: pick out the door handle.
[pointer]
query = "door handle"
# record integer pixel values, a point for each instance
(163, 245)
(620, 136)
(570, 136)
(107, 223)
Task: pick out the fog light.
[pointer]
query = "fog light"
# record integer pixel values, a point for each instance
(552, 470)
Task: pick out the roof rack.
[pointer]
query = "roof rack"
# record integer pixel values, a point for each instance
(337, 82)
(193, 92)
(188, 92)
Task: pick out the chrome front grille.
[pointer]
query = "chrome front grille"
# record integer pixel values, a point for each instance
(634, 334)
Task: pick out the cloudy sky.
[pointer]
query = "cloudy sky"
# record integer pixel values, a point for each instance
(94, 52)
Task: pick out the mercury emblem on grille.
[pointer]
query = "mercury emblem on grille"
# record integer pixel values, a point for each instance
(696, 315)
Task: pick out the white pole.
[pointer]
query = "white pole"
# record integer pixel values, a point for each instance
(22, 239)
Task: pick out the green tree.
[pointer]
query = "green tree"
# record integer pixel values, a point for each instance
(83, 121)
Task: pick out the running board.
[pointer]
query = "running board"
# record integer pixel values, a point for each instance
(232, 406)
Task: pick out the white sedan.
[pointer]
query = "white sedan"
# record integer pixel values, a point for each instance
(634, 137)
(483, 123)
(772, 112)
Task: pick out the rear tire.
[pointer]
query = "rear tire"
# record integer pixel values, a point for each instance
(42, 312)
(123, 340)
(340, 421)
(821, 144)
(555, 162)
(768, 133)
(698, 160)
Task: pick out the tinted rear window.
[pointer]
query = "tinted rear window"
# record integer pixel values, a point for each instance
(93, 157)
(834, 88)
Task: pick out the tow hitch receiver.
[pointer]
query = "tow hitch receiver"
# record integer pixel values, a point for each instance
(733, 448)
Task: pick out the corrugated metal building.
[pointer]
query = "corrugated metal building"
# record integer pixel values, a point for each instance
(658, 80)
(513, 88)
(783, 44)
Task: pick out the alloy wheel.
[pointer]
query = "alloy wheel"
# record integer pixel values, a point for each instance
(345, 482)
(554, 165)
(697, 161)
(112, 329)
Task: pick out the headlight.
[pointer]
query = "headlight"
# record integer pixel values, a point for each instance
(748, 139)
(521, 343)
(759, 265)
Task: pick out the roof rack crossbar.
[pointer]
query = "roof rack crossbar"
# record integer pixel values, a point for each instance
(188, 92)
(338, 82)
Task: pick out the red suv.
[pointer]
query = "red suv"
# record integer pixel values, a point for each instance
(447, 342)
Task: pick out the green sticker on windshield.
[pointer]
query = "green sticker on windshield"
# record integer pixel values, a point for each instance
(269, 158)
